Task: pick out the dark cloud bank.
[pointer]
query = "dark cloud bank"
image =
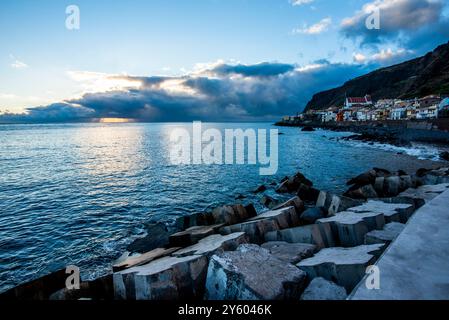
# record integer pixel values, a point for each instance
(263, 91)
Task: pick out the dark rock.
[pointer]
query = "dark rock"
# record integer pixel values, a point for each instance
(192, 235)
(422, 172)
(401, 173)
(292, 184)
(157, 237)
(365, 178)
(269, 202)
(361, 192)
(382, 172)
(240, 197)
(307, 129)
(250, 211)
(307, 193)
(313, 214)
(260, 189)
(295, 202)
(445, 155)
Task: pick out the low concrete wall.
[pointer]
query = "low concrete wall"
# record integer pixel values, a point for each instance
(416, 265)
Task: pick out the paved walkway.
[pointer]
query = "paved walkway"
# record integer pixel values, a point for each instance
(416, 265)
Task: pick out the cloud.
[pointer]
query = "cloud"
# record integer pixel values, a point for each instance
(317, 28)
(300, 2)
(404, 22)
(384, 56)
(225, 92)
(17, 64)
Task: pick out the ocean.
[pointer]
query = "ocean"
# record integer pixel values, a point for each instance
(80, 193)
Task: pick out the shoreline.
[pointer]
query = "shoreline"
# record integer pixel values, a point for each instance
(307, 198)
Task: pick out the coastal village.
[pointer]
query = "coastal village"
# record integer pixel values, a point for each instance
(362, 109)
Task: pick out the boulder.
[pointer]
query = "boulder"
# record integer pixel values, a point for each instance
(192, 235)
(307, 129)
(349, 228)
(213, 244)
(169, 278)
(361, 192)
(307, 193)
(295, 202)
(345, 266)
(129, 261)
(313, 214)
(389, 233)
(322, 289)
(444, 155)
(252, 273)
(290, 252)
(393, 212)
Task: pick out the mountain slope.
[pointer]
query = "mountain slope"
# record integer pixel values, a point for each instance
(415, 78)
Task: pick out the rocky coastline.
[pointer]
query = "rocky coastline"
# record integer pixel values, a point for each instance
(234, 252)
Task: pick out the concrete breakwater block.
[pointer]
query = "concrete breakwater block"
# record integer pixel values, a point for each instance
(126, 261)
(393, 212)
(255, 230)
(169, 278)
(334, 204)
(322, 289)
(192, 235)
(319, 235)
(290, 252)
(252, 273)
(426, 192)
(284, 217)
(295, 202)
(349, 228)
(344, 266)
(213, 244)
(390, 232)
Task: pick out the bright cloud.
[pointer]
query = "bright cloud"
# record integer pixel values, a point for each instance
(316, 28)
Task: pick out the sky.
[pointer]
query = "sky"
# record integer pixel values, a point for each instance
(210, 60)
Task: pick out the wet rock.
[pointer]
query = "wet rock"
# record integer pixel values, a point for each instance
(350, 228)
(393, 212)
(192, 235)
(344, 266)
(292, 184)
(365, 178)
(213, 244)
(157, 237)
(260, 189)
(295, 202)
(389, 233)
(269, 202)
(307, 193)
(313, 214)
(252, 273)
(188, 221)
(322, 289)
(392, 186)
(290, 252)
(361, 192)
(307, 129)
(169, 278)
(240, 197)
(444, 155)
(129, 261)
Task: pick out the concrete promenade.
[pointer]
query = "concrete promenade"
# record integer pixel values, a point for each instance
(416, 265)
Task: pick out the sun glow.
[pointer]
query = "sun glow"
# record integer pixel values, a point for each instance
(115, 120)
